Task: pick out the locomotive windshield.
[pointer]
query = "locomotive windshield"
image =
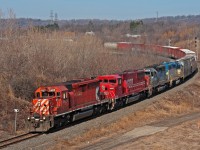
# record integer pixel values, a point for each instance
(48, 94)
(109, 81)
(179, 65)
(112, 81)
(147, 73)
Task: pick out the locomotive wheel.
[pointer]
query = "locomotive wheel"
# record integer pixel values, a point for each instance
(171, 83)
(105, 108)
(149, 93)
(121, 103)
(97, 110)
(174, 83)
(125, 101)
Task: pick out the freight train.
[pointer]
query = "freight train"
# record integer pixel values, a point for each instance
(62, 103)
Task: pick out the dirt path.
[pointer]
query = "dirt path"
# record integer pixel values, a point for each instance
(124, 140)
(184, 136)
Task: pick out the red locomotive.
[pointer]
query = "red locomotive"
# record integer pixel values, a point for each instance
(64, 102)
(124, 87)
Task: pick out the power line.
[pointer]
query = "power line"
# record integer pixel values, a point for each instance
(56, 18)
(157, 16)
(51, 16)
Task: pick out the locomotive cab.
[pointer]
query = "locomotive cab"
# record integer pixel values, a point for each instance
(45, 104)
(110, 86)
(153, 77)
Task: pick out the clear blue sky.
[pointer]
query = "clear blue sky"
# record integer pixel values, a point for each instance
(100, 9)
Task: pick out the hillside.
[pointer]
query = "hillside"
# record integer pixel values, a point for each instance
(24, 22)
(32, 56)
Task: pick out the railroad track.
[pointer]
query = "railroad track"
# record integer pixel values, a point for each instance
(17, 139)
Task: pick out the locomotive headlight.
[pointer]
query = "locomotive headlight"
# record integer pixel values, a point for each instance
(28, 118)
(179, 71)
(44, 118)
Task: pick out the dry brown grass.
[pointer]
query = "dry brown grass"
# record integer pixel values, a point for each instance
(198, 124)
(170, 106)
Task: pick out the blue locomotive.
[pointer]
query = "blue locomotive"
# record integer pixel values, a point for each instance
(169, 74)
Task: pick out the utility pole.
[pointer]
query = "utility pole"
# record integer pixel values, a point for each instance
(157, 16)
(51, 16)
(169, 42)
(56, 18)
(188, 43)
(16, 111)
(196, 42)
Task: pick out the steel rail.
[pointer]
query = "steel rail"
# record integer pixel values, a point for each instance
(17, 139)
